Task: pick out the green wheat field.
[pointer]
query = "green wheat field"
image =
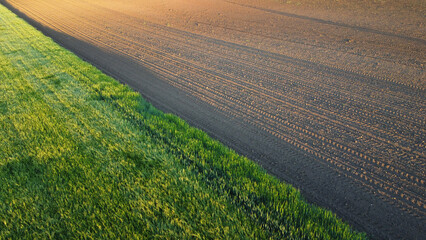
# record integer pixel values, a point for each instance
(85, 157)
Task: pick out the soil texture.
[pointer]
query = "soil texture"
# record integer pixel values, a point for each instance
(326, 95)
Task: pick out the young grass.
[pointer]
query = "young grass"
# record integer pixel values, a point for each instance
(82, 156)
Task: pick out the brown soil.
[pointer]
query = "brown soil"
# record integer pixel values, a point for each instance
(327, 95)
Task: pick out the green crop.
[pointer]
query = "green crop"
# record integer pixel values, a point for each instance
(83, 156)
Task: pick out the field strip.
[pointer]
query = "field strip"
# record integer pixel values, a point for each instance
(97, 161)
(178, 63)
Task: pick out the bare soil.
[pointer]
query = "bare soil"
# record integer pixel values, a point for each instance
(326, 95)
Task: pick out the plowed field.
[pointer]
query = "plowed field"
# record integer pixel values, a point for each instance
(329, 97)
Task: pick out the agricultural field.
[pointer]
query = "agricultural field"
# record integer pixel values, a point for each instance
(83, 156)
(326, 95)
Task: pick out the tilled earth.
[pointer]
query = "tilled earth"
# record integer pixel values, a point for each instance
(328, 96)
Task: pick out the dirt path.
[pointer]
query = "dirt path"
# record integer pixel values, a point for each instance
(329, 97)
